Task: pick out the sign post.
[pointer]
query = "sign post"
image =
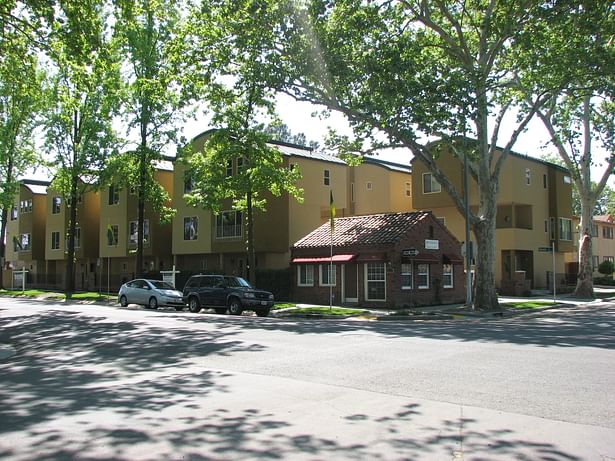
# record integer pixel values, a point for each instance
(169, 276)
(411, 253)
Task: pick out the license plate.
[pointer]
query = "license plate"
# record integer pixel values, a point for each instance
(263, 303)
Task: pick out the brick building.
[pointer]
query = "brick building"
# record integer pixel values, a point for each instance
(381, 260)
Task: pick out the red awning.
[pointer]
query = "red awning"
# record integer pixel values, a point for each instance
(327, 259)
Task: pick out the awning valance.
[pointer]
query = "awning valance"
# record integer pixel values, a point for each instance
(325, 259)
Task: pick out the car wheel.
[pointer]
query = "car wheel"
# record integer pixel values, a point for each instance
(234, 306)
(220, 310)
(262, 312)
(153, 303)
(123, 301)
(193, 304)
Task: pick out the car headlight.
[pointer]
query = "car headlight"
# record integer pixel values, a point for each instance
(271, 297)
(249, 295)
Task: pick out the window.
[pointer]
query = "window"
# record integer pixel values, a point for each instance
(609, 258)
(375, 276)
(327, 178)
(441, 220)
(595, 262)
(55, 240)
(133, 232)
(24, 242)
(77, 238)
(423, 276)
(567, 180)
(191, 228)
(25, 206)
(406, 276)
(240, 162)
(544, 181)
(327, 275)
(607, 232)
(528, 176)
(188, 184)
(229, 224)
(565, 229)
(14, 213)
(352, 192)
(408, 189)
(447, 276)
(56, 202)
(113, 232)
(305, 275)
(229, 168)
(369, 185)
(114, 195)
(430, 185)
(595, 230)
(546, 226)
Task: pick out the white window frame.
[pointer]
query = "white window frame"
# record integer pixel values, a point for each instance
(528, 177)
(193, 231)
(305, 275)
(56, 204)
(567, 237)
(368, 280)
(221, 228)
(448, 277)
(113, 195)
(326, 177)
(133, 229)
(406, 270)
(331, 274)
(26, 241)
(369, 185)
(115, 235)
(421, 274)
(55, 240)
(408, 186)
(229, 168)
(434, 186)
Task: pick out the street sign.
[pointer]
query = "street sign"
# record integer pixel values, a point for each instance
(411, 252)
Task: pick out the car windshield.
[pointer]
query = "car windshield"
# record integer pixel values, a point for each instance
(236, 282)
(162, 285)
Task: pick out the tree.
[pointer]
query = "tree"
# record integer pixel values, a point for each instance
(145, 31)
(239, 138)
(20, 102)
(83, 98)
(408, 72)
(575, 68)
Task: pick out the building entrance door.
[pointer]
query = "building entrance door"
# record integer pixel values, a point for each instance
(351, 283)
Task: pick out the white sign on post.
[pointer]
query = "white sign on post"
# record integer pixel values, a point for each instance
(169, 276)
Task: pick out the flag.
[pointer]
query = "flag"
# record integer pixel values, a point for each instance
(332, 210)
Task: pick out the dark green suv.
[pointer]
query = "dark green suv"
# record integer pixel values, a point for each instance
(225, 293)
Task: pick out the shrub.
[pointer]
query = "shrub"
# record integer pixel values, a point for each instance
(606, 267)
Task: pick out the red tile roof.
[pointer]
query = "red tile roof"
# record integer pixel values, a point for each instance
(363, 230)
(604, 218)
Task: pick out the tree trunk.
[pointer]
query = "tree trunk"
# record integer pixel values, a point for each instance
(5, 215)
(72, 225)
(251, 253)
(486, 297)
(585, 281)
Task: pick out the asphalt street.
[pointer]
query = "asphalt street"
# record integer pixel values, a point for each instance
(90, 382)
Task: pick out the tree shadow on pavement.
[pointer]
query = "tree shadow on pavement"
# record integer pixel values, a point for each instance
(567, 327)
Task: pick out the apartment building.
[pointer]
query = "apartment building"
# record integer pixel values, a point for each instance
(25, 237)
(206, 242)
(534, 216)
(118, 231)
(87, 265)
(603, 243)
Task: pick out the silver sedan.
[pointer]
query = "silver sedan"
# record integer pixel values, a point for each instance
(151, 294)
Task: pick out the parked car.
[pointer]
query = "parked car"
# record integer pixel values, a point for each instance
(151, 294)
(226, 293)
